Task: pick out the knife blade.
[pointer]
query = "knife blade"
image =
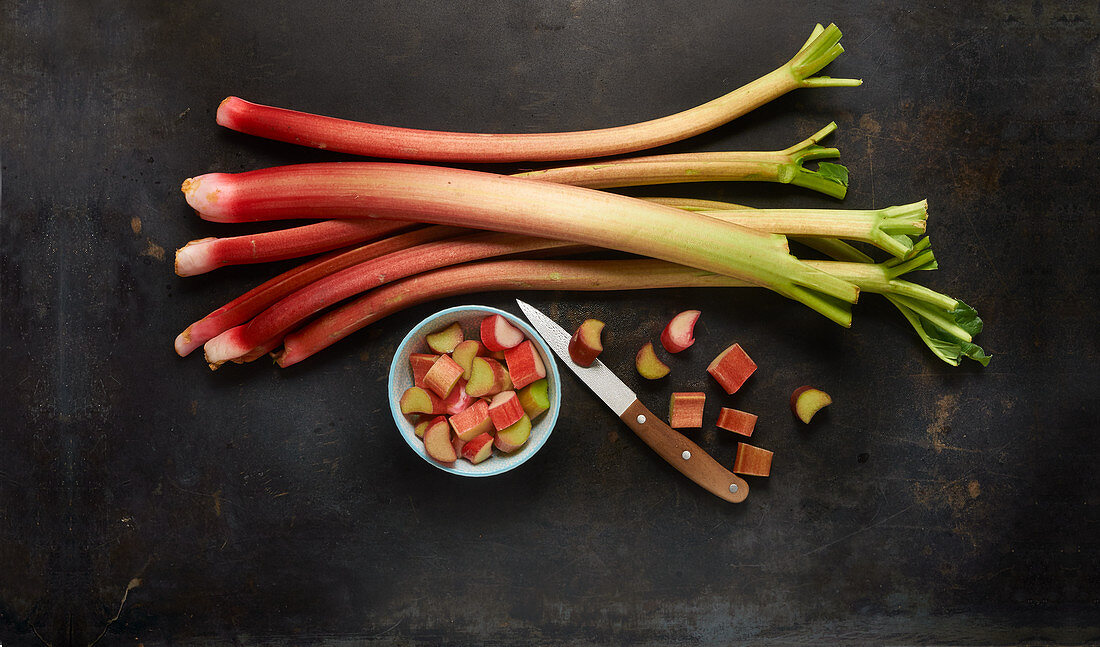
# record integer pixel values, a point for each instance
(687, 457)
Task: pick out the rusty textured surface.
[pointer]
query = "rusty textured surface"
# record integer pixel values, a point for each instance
(145, 499)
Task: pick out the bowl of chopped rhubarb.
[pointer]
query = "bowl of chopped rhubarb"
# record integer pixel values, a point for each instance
(474, 390)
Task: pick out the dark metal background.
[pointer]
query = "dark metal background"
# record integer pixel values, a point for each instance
(146, 499)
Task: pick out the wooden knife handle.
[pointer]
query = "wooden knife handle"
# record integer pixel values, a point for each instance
(684, 455)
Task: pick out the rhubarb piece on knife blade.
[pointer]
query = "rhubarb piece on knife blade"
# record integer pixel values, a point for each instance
(586, 345)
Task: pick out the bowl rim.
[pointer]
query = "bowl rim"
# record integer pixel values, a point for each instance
(549, 360)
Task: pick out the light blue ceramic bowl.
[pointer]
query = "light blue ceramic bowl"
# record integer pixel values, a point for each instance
(469, 317)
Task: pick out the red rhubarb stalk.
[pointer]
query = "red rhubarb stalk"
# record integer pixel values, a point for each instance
(261, 297)
(404, 143)
(200, 256)
(489, 276)
(264, 332)
(497, 202)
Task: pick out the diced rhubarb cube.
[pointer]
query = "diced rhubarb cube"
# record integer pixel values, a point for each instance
(420, 363)
(478, 449)
(524, 364)
(443, 375)
(752, 460)
(736, 421)
(731, 368)
(505, 409)
(472, 421)
(535, 398)
(686, 410)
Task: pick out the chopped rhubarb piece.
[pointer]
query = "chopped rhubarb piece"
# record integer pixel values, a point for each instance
(679, 334)
(505, 409)
(420, 363)
(458, 444)
(458, 399)
(442, 376)
(524, 364)
(437, 442)
(739, 422)
(444, 341)
(648, 365)
(586, 345)
(512, 438)
(465, 353)
(472, 421)
(534, 398)
(487, 377)
(806, 401)
(419, 400)
(752, 460)
(686, 410)
(423, 425)
(731, 368)
(497, 333)
(478, 449)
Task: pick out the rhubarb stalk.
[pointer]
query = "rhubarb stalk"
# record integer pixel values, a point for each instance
(490, 276)
(404, 143)
(200, 256)
(496, 202)
(259, 298)
(785, 166)
(265, 331)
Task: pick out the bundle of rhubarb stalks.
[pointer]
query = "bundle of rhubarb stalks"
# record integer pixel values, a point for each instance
(393, 235)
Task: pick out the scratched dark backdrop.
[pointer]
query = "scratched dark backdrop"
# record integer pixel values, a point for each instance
(146, 499)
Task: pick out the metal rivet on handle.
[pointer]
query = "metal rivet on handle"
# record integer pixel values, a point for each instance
(733, 488)
(641, 419)
(686, 454)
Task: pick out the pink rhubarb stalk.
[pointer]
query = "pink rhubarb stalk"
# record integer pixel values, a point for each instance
(265, 331)
(261, 297)
(490, 276)
(497, 202)
(404, 143)
(200, 256)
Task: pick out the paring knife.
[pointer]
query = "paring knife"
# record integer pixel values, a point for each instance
(681, 453)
